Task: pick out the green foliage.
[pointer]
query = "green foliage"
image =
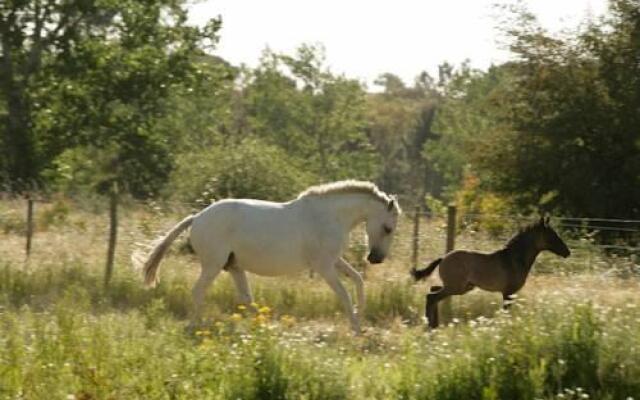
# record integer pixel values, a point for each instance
(56, 214)
(481, 209)
(126, 92)
(467, 123)
(400, 126)
(296, 103)
(249, 169)
(96, 75)
(557, 122)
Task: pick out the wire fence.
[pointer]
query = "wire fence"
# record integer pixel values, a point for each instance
(421, 235)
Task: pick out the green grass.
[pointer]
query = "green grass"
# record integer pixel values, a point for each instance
(573, 334)
(62, 336)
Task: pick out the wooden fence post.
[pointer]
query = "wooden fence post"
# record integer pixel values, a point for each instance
(416, 238)
(451, 228)
(451, 241)
(113, 233)
(29, 225)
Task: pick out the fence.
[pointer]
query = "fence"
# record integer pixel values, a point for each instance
(423, 235)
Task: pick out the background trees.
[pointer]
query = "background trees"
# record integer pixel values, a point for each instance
(88, 72)
(557, 127)
(97, 92)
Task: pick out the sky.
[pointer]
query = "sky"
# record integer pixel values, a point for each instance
(365, 38)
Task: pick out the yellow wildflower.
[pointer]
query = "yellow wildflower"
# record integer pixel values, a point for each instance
(264, 310)
(242, 307)
(260, 319)
(287, 320)
(236, 317)
(255, 305)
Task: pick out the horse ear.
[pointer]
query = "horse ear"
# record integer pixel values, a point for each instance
(541, 220)
(391, 204)
(546, 220)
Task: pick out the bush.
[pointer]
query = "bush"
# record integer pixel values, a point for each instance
(479, 209)
(249, 169)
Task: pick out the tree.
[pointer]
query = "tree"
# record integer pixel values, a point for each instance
(558, 127)
(95, 74)
(400, 127)
(299, 105)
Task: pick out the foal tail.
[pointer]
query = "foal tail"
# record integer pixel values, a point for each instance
(151, 265)
(424, 273)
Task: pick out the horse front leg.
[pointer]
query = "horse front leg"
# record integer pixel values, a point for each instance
(357, 280)
(330, 275)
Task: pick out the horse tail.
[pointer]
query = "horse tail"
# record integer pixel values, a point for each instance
(424, 273)
(151, 265)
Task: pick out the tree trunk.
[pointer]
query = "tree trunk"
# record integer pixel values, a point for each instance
(17, 141)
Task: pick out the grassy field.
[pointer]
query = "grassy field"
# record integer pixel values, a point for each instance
(573, 334)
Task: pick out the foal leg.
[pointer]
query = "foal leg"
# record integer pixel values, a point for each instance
(355, 276)
(330, 275)
(427, 308)
(507, 300)
(242, 285)
(432, 305)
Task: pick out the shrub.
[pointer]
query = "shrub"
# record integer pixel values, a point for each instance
(249, 169)
(479, 209)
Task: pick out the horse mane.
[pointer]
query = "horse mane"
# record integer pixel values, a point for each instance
(348, 187)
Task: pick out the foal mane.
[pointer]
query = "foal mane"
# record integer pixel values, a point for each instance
(349, 187)
(521, 238)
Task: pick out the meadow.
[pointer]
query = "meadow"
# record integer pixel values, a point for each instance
(574, 332)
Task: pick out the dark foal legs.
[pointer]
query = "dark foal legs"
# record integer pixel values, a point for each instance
(427, 308)
(437, 293)
(507, 301)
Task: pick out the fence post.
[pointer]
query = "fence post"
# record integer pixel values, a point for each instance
(416, 238)
(451, 227)
(113, 233)
(451, 241)
(29, 225)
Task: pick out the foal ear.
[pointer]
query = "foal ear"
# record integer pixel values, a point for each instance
(546, 220)
(391, 204)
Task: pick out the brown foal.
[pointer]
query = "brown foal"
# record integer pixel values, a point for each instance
(504, 270)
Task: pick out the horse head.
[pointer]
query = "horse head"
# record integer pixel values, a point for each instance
(381, 227)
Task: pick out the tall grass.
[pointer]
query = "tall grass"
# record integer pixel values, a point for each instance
(64, 336)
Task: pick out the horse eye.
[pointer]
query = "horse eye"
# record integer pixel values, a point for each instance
(387, 230)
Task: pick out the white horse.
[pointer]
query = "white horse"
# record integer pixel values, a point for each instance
(270, 239)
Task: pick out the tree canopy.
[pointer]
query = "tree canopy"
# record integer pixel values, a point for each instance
(97, 92)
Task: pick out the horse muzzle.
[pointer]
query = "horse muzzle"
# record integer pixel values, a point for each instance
(375, 257)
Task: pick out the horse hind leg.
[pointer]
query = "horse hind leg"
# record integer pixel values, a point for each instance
(242, 285)
(211, 267)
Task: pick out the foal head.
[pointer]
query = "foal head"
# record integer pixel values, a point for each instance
(381, 227)
(548, 239)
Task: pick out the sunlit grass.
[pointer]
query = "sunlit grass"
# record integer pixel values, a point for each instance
(570, 335)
